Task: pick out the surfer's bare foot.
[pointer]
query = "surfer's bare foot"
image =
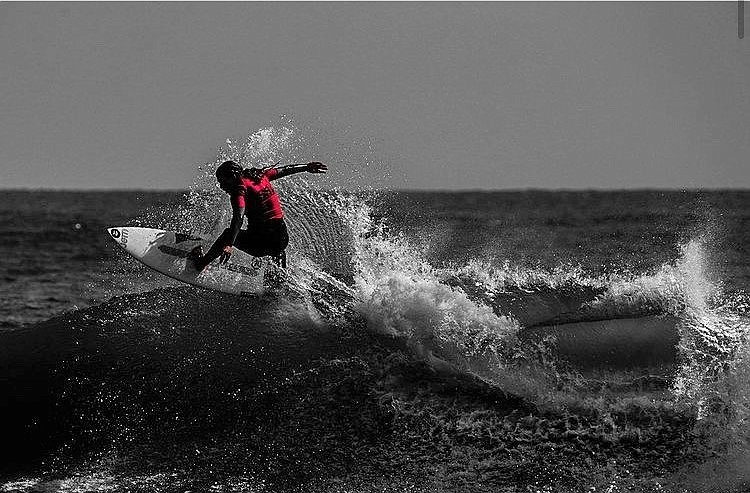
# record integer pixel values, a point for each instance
(196, 256)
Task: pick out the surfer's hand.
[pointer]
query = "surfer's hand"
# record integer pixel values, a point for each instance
(316, 167)
(224, 258)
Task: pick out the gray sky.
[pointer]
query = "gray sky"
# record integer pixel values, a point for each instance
(477, 95)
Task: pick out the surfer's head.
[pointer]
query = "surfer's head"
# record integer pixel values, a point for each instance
(227, 174)
(254, 174)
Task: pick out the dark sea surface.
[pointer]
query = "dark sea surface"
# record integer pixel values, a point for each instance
(474, 341)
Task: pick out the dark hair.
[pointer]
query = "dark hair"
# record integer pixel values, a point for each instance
(228, 168)
(253, 173)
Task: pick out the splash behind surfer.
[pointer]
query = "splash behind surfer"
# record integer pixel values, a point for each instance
(252, 195)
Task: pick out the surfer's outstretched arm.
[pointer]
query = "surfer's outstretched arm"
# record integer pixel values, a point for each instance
(314, 167)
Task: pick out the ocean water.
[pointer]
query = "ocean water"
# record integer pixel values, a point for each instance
(474, 341)
(55, 255)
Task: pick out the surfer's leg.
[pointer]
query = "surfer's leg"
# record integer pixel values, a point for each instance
(281, 240)
(268, 239)
(246, 241)
(275, 238)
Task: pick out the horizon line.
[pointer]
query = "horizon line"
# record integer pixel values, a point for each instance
(406, 190)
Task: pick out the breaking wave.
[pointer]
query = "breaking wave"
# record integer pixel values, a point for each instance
(375, 335)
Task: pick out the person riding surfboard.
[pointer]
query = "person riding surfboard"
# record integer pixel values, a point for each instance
(253, 196)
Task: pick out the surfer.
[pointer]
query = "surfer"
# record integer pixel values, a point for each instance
(252, 195)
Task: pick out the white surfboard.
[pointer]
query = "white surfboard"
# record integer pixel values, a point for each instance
(167, 251)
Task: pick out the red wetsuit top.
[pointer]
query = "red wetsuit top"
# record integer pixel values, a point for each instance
(260, 200)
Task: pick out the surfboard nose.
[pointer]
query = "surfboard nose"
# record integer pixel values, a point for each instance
(120, 235)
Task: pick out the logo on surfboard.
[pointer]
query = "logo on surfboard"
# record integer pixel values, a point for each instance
(121, 235)
(241, 269)
(251, 270)
(175, 252)
(180, 237)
